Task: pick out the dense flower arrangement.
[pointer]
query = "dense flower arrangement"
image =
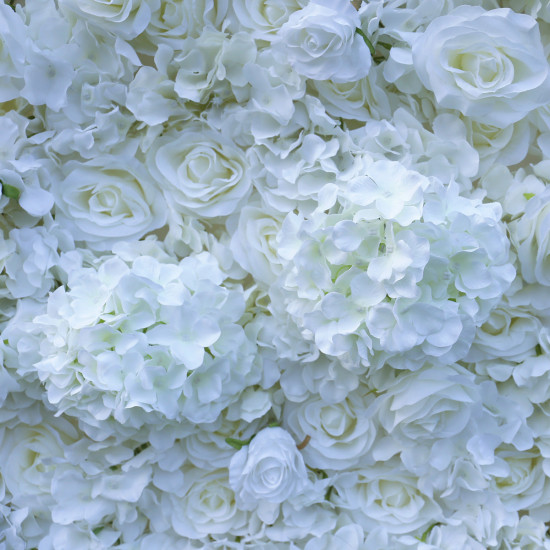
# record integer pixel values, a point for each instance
(275, 274)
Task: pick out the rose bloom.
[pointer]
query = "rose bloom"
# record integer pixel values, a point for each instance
(108, 200)
(202, 173)
(341, 434)
(125, 18)
(269, 469)
(489, 65)
(320, 42)
(531, 236)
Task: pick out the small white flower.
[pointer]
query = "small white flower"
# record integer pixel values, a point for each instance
(47, 79)
(125, 18)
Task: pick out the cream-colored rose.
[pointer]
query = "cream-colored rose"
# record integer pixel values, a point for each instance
(125, 18)
(269, 469)
(201, 172)
(29, 457)
(337, 435)
(320, 42)
(108, 199)
(489, 65)
(254, 243)
(531, 237)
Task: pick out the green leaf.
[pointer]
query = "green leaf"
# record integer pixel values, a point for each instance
(10, 191)
(528, 195)
(273, 425)
(366, 39)
(237, 443)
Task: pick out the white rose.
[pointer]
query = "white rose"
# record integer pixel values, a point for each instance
(320, 42)
(202, 173)
(518, 478)
(361, 100)
(531, 237)
(496, 145)
(106, 200)
(264, 17)
(173, 21)
(509, 333)
(385, 495)
(29, 457)
(254, 243)
(429, 404)
(336, 435)
(268, 470)
(208, 506)
(125, 18)
(490, 65)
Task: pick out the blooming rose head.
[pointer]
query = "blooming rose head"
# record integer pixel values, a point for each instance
(532, 239)
(490, 65)
(321, 43)
(254, 243)
(264, 17)
(340, 434)
(125, 18)
(108, 200)
(29, 457)
(208, 506)
(202, 173)
(386, 495)
(269, 469)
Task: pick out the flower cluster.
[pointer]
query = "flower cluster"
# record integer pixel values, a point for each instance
(274, 274)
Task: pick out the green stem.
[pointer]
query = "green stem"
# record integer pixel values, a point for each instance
(366, 39)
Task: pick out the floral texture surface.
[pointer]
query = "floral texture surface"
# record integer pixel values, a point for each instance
(275, 275)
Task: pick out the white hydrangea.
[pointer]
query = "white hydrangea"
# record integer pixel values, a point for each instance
(29, 266)
(399, 269)
(12, 53)
(144, 338)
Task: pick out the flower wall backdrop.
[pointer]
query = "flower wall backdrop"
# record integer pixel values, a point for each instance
(275, 274)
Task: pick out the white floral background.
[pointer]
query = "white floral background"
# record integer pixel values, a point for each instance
(275, 274)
